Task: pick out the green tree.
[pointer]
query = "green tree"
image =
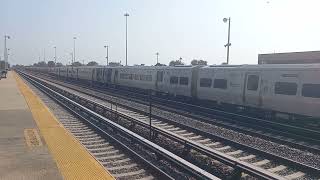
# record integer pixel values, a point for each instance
(92, 63)
(176, 62)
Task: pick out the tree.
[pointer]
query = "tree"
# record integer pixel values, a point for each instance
(176, 62)
(92, 63)
(41, 64)
(51, 64)
(77, 63)
(113, 64)
(159, 64)
(198, 62)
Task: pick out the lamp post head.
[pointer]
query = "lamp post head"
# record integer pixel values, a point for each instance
(225, 20)
(105, 46)
(126, 14)
(74, 37)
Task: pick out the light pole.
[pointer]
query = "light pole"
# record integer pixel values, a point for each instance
(107, 57)
(157, 57)
(71, 58)
(126, 15)
(6, 51)
(8, 54)
(228, 44)
(74, 49)
(44, 54)
(55, 55)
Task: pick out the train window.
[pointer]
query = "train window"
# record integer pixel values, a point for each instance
(174, 80)
(220, 83)
(145, 77)
(184, 80)
(311, 90)
(136, 77)
(253, 82)
(159, 76)
(285, 88)
(205, 82)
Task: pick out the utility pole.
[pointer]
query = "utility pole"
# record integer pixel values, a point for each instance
(157, 57)
(44, 54)
(6, 51)
(55, 55)
(74, 49)
(228, 44)
(126, 15)
(72, 57)
(107, 57)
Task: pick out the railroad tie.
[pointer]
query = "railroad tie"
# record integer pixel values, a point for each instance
(180, 131)
(173, 129)
(128, 166)
(204, 140)
(109, 157)
(247, 157)
(223, 148)
(278, 168)
(234, 152)
(295, 175)
(146, 178)
(187, 134)
(129, 173)
(213, 144)
(260, 163)
(195, 137)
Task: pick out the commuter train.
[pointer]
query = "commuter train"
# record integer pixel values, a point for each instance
(290, 90)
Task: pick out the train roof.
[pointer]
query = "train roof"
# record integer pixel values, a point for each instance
(266, 66)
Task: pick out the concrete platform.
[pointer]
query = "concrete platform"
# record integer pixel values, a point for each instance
(18, 159)
(33, 144)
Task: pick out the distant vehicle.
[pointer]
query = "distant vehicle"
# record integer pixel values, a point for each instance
(292, 90)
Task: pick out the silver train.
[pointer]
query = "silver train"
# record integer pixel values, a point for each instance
(282, 90)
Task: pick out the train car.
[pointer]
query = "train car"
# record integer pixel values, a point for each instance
(289, 89)
(220, 84)
(181, 81)
(103, 75)
(292, 89)
(85, 73)
(139, 77)
(63, 72)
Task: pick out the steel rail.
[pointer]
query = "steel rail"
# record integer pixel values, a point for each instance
(189, 167)
(245, 167)
(165, 104)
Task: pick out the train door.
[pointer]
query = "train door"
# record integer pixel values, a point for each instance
(99, 75)
(77, 73)
(115, 80)
(159, 80)
(109, 74)
(251, 95)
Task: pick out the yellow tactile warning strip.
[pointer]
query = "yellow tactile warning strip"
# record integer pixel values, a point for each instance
(73, 160)
(32, 138)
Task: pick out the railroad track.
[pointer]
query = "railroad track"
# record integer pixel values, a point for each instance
(248, 160)
(101, 137)
(296, 137)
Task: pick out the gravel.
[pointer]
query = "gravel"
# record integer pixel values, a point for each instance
(61, 113)
(305, 157)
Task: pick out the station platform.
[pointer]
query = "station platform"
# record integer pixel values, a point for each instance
(33, 144)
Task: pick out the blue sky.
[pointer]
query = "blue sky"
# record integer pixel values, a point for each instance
(191, 29)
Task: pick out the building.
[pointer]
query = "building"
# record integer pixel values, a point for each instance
(306, 57)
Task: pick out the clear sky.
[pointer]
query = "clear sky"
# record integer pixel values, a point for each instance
(191, 29)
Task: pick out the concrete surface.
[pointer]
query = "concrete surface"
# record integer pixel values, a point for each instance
(17, 159)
